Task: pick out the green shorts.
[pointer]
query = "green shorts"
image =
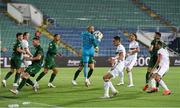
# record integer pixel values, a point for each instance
(152, 61)
(49, 63)
(91, 61)
(33, 70)
(15, 63)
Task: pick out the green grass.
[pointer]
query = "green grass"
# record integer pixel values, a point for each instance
(66, 95)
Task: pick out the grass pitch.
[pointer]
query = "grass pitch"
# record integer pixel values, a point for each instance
(66, 95)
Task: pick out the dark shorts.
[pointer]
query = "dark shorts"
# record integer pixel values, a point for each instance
(33, 70)
(91, 61)
(49, 63)
(15, 63)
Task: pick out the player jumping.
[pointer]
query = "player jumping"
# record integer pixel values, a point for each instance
(50, 61)
(117, 63)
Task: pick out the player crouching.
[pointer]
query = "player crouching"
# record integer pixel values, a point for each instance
(32, 69)
(159, 70)
(117, 64)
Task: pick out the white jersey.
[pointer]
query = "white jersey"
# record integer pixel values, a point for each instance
(120, 48)
(164, 57)
(133, 45)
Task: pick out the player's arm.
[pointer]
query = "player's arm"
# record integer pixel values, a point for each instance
(28, 51)
(20, 50)
(95, 44)
(135, 50)
(152, 46)
(119, 56)
(38, 57)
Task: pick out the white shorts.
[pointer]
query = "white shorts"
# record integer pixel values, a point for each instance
(162, 70)
(26, 63)
(130, 63)
(116, 69)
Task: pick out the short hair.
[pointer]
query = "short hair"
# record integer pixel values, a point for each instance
(25, 33)
(158, 33)
(89, 27)
(117, 38)
(55, 35)
(18, 34)
(160, 43)
(134, 35)
(36, 38)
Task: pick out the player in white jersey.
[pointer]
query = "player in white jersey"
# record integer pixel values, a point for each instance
(131, 57)
(159, 70)
(25, 46)
(117, 63)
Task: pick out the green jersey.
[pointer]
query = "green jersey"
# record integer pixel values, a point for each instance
(52, 49)
(38, 51)
(155, 49)
(16, 54)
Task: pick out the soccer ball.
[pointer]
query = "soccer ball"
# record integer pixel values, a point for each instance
(98, 35)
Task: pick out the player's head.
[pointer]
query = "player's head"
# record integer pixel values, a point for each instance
(90, 29)
(35, 41)
(26, 35)
(132, 37)
(116, 40)
(57, 37)
(159, 44)
(157, 35)
(19, 36)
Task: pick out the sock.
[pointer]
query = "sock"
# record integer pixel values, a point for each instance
(8, 75)
(157, 84)
(106, 88)
(121, 74)
(17, 76)
(147, 77)
(161, 82)
(52, 77)
(40, 76)
(76, 74)
(130, 78)
(30, 82)
(90, 73)
(153, 83)
(112, 87)
(23, 82)
(85, 69)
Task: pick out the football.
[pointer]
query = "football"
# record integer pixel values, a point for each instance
(98, 35)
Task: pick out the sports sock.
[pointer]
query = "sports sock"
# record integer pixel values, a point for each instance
(112, 87)
(106, 88)
(17, 76)
(76, 74)
(147, 77)
(30, 82)
(8, 75)
(157, 84)
(52, 77)
(130, 78)
(153, 83)
(40, 76)
(23, 82)
(85, 69)
(90, 73)
(121, 74)
(162, 83)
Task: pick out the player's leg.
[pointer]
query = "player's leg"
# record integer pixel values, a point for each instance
(77, 74)
(7, 76)
(91, 67)
(129, 67)
(85, 63)
(53, 75)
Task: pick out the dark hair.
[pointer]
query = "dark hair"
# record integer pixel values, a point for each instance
(134, 35)
(18, 34)
(160, 43)
(35, 38)
(158, 33)
(55, 35)
(117, 38)
(25, 33)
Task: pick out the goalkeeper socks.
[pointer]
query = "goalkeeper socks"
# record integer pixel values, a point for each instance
(52, 77)
(90, 73)
(17, 76)
(85, 69)
(40, 76)
(147, 77)
(23, 82)
(8, 75)
(76, 74)
(30, 82)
